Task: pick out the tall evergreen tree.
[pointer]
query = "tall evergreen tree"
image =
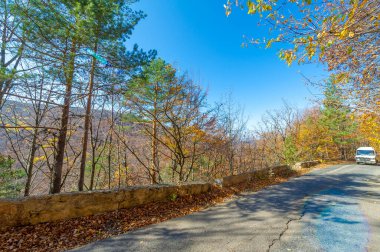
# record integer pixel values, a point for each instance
(147, 95)
(335, 119)
(74, 38)
(111, 24)
(56, 30)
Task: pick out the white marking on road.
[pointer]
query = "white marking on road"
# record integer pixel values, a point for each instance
(335, 170)
(371, 182)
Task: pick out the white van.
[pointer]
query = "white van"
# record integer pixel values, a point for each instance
(366, 155)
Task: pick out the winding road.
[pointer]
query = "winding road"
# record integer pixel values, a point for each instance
(332, 209)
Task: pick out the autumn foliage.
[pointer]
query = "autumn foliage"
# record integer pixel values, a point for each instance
(80, 111)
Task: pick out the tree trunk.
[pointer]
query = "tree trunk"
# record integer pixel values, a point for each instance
(154, 153)
(154, 166)
(33, 148)
(31, 163)
(87, 122)
(231, 160)
(61, 144)
(93, 168)
(109, 155)
(126, 168)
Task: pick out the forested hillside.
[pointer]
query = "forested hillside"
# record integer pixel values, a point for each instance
(80, 111)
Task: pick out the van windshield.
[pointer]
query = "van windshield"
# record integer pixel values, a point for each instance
(365, 152)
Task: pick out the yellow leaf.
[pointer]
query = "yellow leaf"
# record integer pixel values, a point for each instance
(251, 8)
(343, 34)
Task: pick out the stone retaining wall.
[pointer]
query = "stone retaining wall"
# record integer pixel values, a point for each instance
(248, 176)
(306, 164)
(40, 209)
(33, 210)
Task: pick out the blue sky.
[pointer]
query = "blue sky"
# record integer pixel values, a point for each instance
(197, 37)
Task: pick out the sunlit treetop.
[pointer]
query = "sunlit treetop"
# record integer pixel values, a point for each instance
(342, 34)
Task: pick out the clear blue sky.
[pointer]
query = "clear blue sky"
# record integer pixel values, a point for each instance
(197, 37)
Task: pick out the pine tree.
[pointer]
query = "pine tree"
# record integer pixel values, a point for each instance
(112, 21)
(146, 95)
(335, 119)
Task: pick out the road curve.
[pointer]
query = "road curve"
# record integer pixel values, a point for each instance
(333, 209)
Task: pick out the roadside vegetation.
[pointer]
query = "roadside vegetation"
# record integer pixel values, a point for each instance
(73, 233)
(81, 111)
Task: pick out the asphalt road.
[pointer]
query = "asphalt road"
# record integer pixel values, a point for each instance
(333, 209)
